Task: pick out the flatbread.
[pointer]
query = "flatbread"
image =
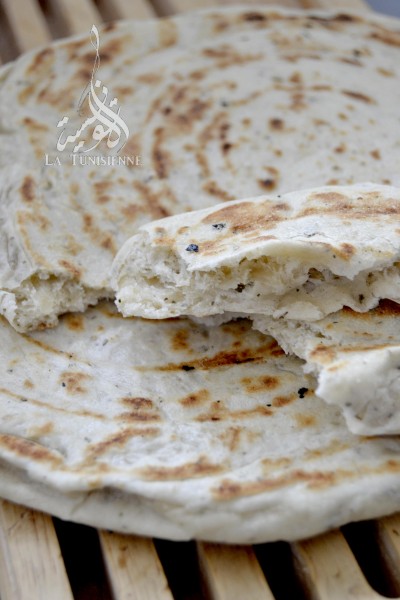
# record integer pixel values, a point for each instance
(301, 255)
(308, 267)
(221, 104)
(171, 429)
(356, 357)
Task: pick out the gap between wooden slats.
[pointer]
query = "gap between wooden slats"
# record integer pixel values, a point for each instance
(388, 539)
(27, 23)
(329, 571)
(31, 565)
(232, 572)
(133, 568)
(74, 16)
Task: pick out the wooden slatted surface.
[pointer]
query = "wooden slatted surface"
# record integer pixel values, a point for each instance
(133, 568)
(31, 562)
(232, 572)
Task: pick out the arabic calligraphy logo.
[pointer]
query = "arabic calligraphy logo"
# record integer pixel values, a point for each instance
(109, 122)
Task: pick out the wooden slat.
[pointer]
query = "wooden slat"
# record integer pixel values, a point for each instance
(329, 571)
(232, 572)
(388, 539)
(77, 16)
(167, 7)
(131, 9)
(27, 23)
(31, 565)
(337, 4)
(133, 568)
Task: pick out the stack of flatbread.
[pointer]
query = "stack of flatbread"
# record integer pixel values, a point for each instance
(182, 417)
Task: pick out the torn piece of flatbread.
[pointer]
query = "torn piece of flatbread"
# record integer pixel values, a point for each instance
(288, 262)
(300, 255)
(356, 357)
(221, 104)
(175, 430)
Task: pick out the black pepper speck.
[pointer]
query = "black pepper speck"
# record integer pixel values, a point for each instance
(192, 248)
(219, 226)
(302, 392)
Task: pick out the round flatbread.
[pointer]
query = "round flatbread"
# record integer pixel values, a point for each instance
(171, 429)
(219, 105)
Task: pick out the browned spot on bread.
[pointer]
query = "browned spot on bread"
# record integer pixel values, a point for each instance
(28, 189)
(42, 61)
(71, 245)
(247, 216)
(323, 354)
(231, 437)
(167, 33)
(99, 237)
(29, 450)
(113, 48)
(152, 202)
(376, 154)
(254, 16)
(359, 96)
(333, 447)
(32, 217)
(351, 61)
(103, 199)
(367, 205)
(277, 124)
(182, 107)
(391, 38)
(74, 322)
(219, 412)
(304, 420)
(140, 410)
(198, 74)
(341, 148)
(34, 126)
(130, 211)
(150, 78)
(229, 490)
(386, 72)
(100, 191)
(51, 407)
(211, 187)
(72, 269)
(73, 381)
(160, 157)
(196, 398)
(227, 56)
(37, 431)
(280, 401)
(189, 470)
(271, 464)
(260, 384)
(132, 146)
(138, 402)
(221, 359)
(28, 384)
(267, 184)
(180, 340)
(346, 250)
(118, 441)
